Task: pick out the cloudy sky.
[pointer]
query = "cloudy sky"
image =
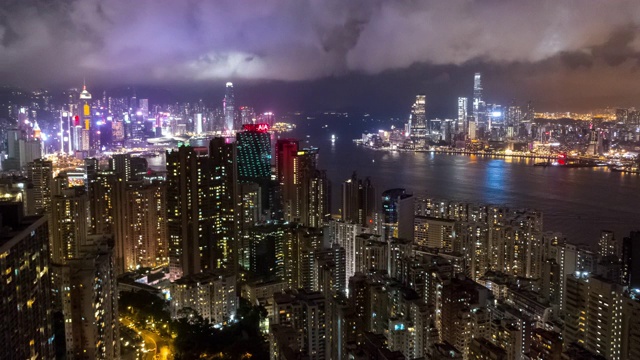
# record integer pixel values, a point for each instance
(570, 54)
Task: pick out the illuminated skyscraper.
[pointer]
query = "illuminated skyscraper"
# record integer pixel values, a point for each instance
(91, 307)
(140, 225)
(224, 164)
(254, 155)
(478, 103)
(82, 125)
(69, 212)
(462, 114)
(229, 107)
(25, 272)
(40, 174)
(419, 117)
(190, 210)
(286, 151)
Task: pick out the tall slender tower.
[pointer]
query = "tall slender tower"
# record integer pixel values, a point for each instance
(190, 211)
(224, 165)
(462, 114)
(229, 107)
(419, 117)
(477, 97)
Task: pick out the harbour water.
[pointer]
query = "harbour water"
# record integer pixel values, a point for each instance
(579, 202)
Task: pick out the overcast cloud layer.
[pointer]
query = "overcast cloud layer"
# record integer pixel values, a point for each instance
(45, 42)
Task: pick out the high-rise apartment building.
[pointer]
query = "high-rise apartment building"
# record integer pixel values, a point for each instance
(631, 260)
(40, 175)
(593, 314)
(90, 308)
(26, 327)
(212, 294)
(190, 211)
(140, 225)
(226, 201)
(69, 224)
(359, 201)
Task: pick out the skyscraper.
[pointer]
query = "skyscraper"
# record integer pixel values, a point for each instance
(69, 213)
(462, 115)
(478, 103)
(40, 174)
(358, 201)
(419, 117)
(225, 197)
(82, 125)
(26, 326)
(190, 210)
(631, 260)
(254, 155)
(286, 151)
(229, 107)
(91, 307)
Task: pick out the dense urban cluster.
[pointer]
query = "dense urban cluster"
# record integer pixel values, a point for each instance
(239, 213)
(603, 137)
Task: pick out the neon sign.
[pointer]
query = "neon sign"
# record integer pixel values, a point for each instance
(256, 127)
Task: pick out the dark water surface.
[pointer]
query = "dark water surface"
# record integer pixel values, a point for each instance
(578, 202)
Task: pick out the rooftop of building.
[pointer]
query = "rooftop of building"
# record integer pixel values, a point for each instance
(13, 222)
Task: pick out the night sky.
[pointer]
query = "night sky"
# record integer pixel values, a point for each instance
(369, 55)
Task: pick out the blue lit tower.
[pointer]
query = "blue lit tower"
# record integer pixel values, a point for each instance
(229, 107)
(254, 159)
(254, 155)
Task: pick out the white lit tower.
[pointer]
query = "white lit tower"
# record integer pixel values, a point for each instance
(82, 123)
(478, 103)
(419, 117)
(462, 114)
(229, 107)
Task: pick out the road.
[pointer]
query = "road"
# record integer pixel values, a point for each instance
(159, 348)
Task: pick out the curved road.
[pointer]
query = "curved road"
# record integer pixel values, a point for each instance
(159, 348)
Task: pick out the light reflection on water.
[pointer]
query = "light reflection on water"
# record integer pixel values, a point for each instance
(579, 202)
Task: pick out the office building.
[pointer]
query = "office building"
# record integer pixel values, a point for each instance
(229, 108)
(478, 102)
(418, 119)
(26, 328)
(254, 155)
(463, 113)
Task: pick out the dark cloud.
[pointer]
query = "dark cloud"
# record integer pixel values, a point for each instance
(44, 42)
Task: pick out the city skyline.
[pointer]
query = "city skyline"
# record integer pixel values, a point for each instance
(319, 180)
(549, 56)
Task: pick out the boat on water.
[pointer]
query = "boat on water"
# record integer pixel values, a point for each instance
(543, 163)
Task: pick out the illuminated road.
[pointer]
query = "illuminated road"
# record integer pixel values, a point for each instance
(158, 347)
